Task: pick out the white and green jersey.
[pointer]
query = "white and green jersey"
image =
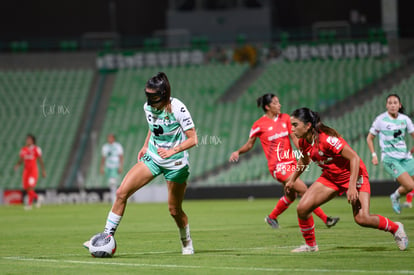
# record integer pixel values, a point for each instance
(112, 153)
(392, 133)
(167, 131)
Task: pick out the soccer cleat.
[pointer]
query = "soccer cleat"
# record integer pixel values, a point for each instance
(86, 244)
(188, 248)
(407, 205)
(400, 237)
(331, 221)
(305, 248)
(395, 202)
(272, 222)
(38, 202)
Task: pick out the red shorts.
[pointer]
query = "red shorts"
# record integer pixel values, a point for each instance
(29, 179)
(342, 186)
(283, 170)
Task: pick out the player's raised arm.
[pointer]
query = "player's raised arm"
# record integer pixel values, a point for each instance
(234, 157)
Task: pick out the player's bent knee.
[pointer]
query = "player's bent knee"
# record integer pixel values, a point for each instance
(121, 195)
(362, 220)
(303, 211)
(175, 211)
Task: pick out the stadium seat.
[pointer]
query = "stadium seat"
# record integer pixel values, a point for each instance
(48, 104)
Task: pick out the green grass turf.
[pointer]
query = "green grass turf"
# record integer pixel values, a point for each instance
(230, 237)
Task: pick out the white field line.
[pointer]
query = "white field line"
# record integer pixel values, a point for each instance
(233, 268)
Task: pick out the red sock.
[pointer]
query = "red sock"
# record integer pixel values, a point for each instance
(280, 207)
(319, 212)
(387, 224)
(409, 197)
(32, 195)
(307, 227)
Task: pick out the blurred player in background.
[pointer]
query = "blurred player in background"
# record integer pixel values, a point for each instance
(342, 171)
(29, 155)
(112, 163)
(392, 126)
(171, 133)
(274, 129)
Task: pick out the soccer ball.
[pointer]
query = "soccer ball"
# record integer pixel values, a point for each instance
(102, 245)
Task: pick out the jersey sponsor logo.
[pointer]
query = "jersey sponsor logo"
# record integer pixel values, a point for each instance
(270, 128)
(276, 136)
(29, 156)
(284, 125)
(166, 121)
(326, 161)
(182, 110)
(158, 130)
(334, 141)
(187, 121)
(397, 133)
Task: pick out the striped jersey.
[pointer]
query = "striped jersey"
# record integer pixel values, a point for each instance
(392, 133)
(112, 153)
(167, 131)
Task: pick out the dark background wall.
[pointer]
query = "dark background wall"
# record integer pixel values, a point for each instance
(50, 18)
(300, 13)
(405, 18)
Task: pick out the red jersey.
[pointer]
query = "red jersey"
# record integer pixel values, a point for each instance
(274, 137)
(327, 155)
(30, 155)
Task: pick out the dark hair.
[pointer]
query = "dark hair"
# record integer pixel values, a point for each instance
(306, 115)
(32, 137)
(401, 110)
(264, 100)
(160, 83)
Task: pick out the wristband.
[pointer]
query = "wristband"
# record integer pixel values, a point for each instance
(374, 154)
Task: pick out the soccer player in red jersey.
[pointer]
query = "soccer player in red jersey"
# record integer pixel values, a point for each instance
(274, 131)
(342, 171)
(29, 155)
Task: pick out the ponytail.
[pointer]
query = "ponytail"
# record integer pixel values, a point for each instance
(264, 101)
(308, 116)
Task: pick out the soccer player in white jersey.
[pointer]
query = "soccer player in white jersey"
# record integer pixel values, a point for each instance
(171, 133)
(112, 163)
(392, 126)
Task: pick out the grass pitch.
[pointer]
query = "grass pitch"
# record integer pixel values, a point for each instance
(229, 236)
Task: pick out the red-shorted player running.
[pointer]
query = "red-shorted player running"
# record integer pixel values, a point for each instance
(274, 129)
(342, 171)
(29, 155)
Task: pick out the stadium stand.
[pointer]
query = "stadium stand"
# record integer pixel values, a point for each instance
(222, 126)
(48, 104)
